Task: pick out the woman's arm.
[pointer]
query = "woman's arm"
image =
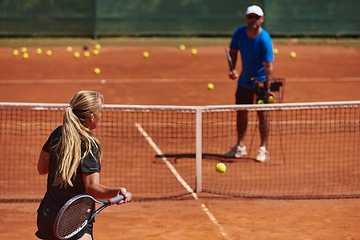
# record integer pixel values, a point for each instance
(43, 163)
(99, 191)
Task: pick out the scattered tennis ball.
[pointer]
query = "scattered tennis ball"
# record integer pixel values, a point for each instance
(97, 70)
(276, 51)
(96, 52)
(49, 52)
(210, 86)
(38, 51)
(69, 49)
(182, 47)
(271, 99)
(23, 50)
(220, 168)
(146, 54)
(25, 56)
(293, 54)
(76, 54)
(86, 54)
(15, 52)
(97, 46)
(260, 102)
(194, 51)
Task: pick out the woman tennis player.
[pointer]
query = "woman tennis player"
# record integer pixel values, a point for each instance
(71, 157)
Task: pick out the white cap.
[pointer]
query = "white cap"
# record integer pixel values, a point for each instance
(255, 9)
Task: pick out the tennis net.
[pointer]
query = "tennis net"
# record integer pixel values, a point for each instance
(159, 152)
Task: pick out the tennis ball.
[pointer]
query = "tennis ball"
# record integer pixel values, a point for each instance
(210, 86)
(38, 51)
(23, 50)
(182, 47)
(86, 54)
(15, 52)
(97, 46)
(220, 168)
(96, 52)
(260, 102)
(25, 55)
(276, 51)
(97, 70)
(271, 99)
(146, 54)
(76, 54)
(194, 51)
(48, 52)
(293, 54)
(69, 49)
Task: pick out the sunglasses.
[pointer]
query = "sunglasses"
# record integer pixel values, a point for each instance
(250, 17)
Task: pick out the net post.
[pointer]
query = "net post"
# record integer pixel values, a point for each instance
(199, 149)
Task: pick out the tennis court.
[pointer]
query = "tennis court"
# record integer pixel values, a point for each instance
(319, 73)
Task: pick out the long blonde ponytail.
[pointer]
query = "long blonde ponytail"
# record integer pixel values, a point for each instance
(74, 133)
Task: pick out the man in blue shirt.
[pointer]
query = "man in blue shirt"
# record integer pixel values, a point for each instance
(256, 51)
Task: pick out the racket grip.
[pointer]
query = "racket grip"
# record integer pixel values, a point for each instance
(117, 199)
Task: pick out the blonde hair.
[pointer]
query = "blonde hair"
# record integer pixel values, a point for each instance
(74, 133)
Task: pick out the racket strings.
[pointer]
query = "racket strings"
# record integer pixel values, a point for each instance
(74, 216)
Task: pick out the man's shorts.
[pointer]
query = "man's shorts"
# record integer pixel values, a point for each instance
(244, 95)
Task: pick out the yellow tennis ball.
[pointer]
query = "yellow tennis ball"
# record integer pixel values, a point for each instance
(97, 46)
(182, 47)
(276, 51)
(48, 52)
(271, 99)
(146, 54)
(86, 54)
(97, 70)
(220, 168)
(25, 56)
(210, 86)
(76, 54)
(260, 102)
(193, 51)
(293, 54)
(38, 51)
(15, 52)
(69, 49)
(96, 52)
(23, 50)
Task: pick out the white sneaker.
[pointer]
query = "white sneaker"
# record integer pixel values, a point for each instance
(263, 155)
(236, 152)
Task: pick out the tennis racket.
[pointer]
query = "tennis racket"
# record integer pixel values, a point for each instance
(77, 212)
(229, 60)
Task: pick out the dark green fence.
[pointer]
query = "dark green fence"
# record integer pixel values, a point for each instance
(94, 18)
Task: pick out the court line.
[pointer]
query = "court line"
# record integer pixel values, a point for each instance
(180, 179)
(164, 80)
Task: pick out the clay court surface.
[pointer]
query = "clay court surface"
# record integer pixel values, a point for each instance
(173, 77)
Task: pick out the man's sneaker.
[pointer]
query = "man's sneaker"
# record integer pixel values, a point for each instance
(236, 152)
(263, 155)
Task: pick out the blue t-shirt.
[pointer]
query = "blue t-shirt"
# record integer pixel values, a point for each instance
(254, 52)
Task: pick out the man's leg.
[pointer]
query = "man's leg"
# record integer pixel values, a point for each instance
(264, 135)
(242, 122)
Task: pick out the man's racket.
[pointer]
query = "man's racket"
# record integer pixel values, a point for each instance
(77, 212)
(231, 65)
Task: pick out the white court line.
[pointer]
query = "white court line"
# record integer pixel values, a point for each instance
(164, 80)
(180, 179)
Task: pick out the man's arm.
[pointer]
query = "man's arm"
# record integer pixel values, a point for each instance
(233, 54)
(269, 75)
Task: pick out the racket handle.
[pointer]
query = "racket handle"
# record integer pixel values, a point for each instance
(117, 199)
